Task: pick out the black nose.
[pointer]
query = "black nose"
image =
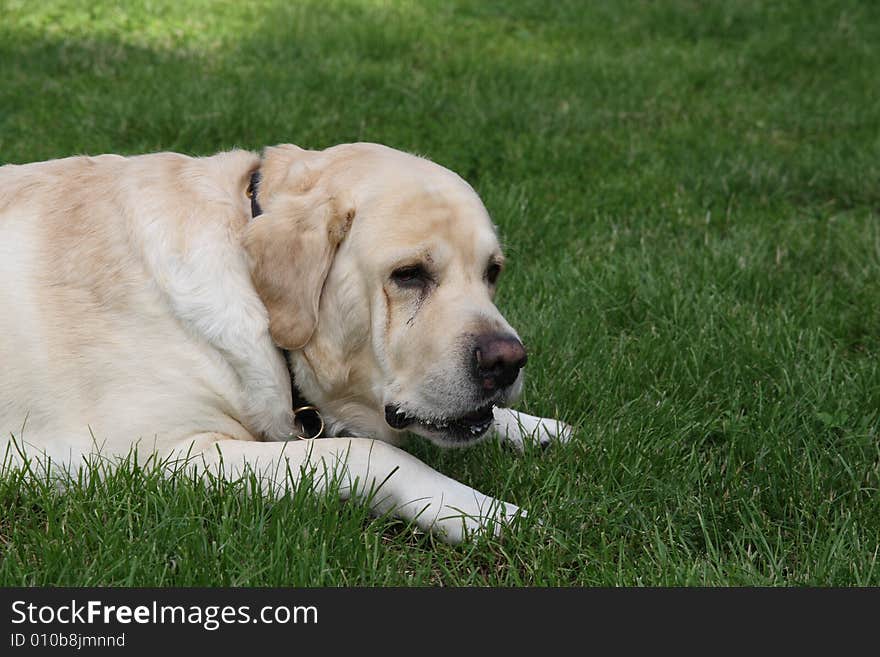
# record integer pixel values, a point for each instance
(498, 358)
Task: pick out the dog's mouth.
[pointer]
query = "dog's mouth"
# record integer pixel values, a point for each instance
(468, 427)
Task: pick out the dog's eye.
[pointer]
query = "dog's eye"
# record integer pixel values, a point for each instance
(492, 272)
(411, 276)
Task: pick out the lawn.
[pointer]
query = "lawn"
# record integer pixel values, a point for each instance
(689, 195)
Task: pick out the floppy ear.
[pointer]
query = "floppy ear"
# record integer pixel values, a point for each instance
(292, 244)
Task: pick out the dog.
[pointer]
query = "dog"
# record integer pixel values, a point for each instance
(182, 307)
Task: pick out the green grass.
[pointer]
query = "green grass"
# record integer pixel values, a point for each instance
(689, 196)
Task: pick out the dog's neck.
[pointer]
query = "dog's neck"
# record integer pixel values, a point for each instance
(310, 423)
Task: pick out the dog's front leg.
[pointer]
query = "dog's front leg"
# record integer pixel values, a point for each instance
(210, 290)
(519, 428)
(390, 479)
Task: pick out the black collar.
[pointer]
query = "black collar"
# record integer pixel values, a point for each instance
(310, 421)
(252, 189)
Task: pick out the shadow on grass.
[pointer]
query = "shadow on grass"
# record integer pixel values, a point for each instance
(594, 108)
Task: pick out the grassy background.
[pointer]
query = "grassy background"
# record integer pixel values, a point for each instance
(689, 195)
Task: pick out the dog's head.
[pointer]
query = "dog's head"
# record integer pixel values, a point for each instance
(378, 270)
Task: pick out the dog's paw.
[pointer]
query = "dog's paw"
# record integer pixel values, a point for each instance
(488, 517)
(551, 430)
(517, 429)
(272, 421)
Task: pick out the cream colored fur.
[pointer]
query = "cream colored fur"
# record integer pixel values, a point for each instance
(143, 309)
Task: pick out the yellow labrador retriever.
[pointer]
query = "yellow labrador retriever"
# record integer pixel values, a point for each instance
(164, 303)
